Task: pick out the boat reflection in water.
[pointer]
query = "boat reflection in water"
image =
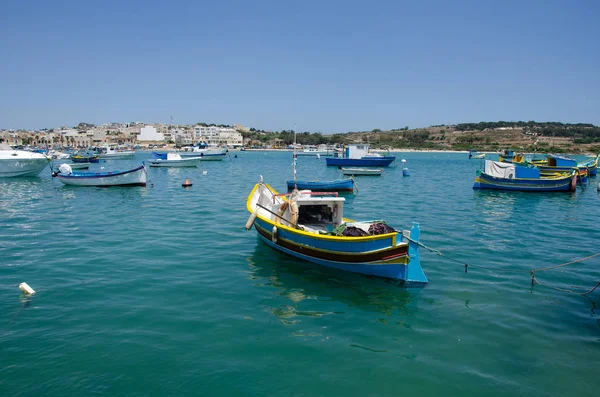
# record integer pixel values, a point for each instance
(299, 282)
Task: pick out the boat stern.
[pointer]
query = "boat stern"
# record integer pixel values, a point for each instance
(415, 273)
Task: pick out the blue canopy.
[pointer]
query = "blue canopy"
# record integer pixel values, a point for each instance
(159, 156)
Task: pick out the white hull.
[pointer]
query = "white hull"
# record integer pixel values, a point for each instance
(362, 171)
(135, 177)
(15, 163)
(191, 162)
(315, 153)
(117, 155)
(206, 154)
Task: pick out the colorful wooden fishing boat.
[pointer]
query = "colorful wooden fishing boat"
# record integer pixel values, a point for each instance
(133, 177)
(85, 156)
(311, 226)
(338, 185)
(359, 156)
(506, 176)
(555, 163)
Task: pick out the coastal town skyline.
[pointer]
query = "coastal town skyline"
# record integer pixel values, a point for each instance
(335, 67)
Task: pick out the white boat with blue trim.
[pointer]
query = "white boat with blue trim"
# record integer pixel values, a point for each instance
(133, 177)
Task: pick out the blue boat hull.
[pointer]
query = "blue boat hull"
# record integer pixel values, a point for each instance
(339, 185)
(378, 257)
(485, 181)
(362, 162)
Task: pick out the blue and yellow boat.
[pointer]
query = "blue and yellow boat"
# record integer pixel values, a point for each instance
(506, 176)
(310, 226)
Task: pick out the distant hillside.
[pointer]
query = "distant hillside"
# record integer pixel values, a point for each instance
(485, 136)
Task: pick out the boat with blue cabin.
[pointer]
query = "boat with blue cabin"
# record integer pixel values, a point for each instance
(357, 155)
(509, 176)
(556, 163)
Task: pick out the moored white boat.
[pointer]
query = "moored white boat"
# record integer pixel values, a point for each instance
(314, 151)
(112, 151)
(362, 171)
(133, 177)
(171, 160)
(16, 163)
(204, 153)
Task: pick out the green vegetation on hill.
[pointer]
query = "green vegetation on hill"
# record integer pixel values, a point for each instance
(493, 136)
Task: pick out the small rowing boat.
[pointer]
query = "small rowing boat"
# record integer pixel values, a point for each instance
(133, 177)
(362, 171)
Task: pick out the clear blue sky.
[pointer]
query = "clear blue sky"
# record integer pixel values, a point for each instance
(329, 66)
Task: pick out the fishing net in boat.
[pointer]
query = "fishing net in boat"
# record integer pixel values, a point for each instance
(358, 229)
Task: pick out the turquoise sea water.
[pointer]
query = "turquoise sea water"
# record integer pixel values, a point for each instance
(160, 290)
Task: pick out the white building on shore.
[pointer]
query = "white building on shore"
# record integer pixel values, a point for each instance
(217, 136)
(149, 134)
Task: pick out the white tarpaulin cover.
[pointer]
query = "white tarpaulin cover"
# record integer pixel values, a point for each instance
(499, 170)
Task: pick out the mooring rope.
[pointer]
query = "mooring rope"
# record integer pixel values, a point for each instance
(511, 270)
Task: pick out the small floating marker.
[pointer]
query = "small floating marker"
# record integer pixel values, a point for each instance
(403, 161)
(405, 172)
(235, 156)
(186, 183)
(205, 172)
(26, 289)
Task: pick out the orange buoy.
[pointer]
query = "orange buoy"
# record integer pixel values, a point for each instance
(186, 183)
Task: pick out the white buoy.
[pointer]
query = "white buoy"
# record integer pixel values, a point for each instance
(204, 172)
(403, 161)
(26, 288)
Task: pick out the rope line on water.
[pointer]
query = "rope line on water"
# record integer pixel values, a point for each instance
(532, 272)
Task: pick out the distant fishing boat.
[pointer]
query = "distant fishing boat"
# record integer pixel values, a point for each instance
(362, 171)
(204, 153)
(474, 155)
(314, 151)
(359, 156)
(505, 176)
(114, 152)
(338, 185)
(133, 177)
(171, 160)
(555, 163)
(85, 156)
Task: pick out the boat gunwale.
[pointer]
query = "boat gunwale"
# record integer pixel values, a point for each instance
(392, 235)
